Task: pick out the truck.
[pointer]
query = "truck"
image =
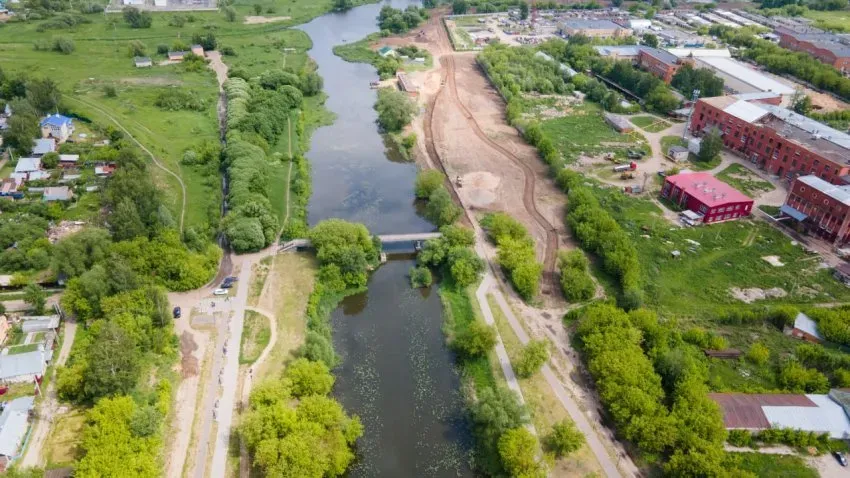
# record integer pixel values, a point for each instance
(632, 166)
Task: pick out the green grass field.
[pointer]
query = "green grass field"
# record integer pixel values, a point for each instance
(650, 123)
(838, 21)
(774, 466)
(585, 131)
(744, 180)
(256, 334)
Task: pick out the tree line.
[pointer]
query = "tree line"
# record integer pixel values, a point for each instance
(515, 249)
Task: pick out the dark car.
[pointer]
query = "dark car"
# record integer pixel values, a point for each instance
(231, 278)
(177, 312)
(840, 457)
(226, 285)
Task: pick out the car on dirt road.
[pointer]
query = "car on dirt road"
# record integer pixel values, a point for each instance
(220, 292)
(177, 312)
(840, 457)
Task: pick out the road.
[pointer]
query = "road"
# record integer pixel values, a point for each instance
(49, 406)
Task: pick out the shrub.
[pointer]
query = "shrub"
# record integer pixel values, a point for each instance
(395, 109)
(176, 99)
(420, 277)
(758, 354)
(518, 452)
(428, 181)
(576, 282)
(564, 439)
(63, 45)
(740, 438)
(532, 358)
(309, 378)
(440, 209)
(478, 339)
(136, 48)
(136, 18)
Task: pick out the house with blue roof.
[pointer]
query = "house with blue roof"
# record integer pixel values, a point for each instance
(57, 127)
(386, 51)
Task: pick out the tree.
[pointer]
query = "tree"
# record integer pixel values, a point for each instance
(420, 277)
(650, 40)
(206, 40)
(245, 234)
(395, 110)
(564, 439)
(43, 94)
(710, 145)
(137, 18)
(22, 130)
(309, 378)
(63, 45)
(459, 7)
(427, 181)
(532, 357)
(576, 282)
(125, 221)
(35, 296)
(258, 9)
(802, 105)
(758, 354)
(342, 5)
(464, 265)
(497, 410)
(113, 365)
(523, 10)
(441, 210)
(476, 340)
(229, 13)
(526, 278)
(518, 452)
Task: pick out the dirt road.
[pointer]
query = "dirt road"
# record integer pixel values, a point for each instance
(46, 412)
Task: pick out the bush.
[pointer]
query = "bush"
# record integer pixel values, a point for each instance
(518, 452)
(532, 358)
(176, 99)
(515, 252)
(478, 339)
(740, 438)
(63, 45)
(440, 209)
(136, 48)
(564, 439)
(420, 277)
(395, 109)
(758, 354)
(309, 378)
(576, 282)
(136, 18)
(428, 181)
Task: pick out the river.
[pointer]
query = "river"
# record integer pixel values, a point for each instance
(396, 372)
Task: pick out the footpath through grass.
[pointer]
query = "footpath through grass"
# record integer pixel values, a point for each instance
(744, 180)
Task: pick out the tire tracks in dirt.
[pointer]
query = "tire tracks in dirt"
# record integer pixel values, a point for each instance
(448, 79)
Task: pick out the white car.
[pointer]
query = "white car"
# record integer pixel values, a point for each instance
(220, 292)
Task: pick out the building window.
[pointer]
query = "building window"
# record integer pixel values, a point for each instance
(737, 206)
(727, 216)
(703, 209)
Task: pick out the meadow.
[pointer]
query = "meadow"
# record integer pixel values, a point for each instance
(585, 131)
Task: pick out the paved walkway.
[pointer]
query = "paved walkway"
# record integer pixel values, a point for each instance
(48, 408)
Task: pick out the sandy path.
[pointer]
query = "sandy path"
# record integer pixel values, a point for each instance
(259, 20)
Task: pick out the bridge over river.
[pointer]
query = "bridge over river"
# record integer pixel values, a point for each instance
(398, 240)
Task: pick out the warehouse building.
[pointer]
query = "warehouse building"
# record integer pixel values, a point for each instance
(776, 139)
(706, 196)
(826, 47)
(594, 28)
(820, 208)
(739, 78)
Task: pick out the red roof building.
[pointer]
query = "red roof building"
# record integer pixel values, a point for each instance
(704, 194)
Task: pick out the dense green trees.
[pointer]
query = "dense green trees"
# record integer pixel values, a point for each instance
(576, 283)
(656, 95)
(515, 252)
(137, 18)
(599, 232)
(833, 323)
(534, 354)
(420, 277)
(799, 379)
(564, 439)
(710, 146)
(478, 339)
(35, 296)
(440, 209)
(496, 411)
(393, 20)
(428, 181)
(345, 250)
(517, 70)
(518, 451)
(687, 79)
(453, 253)
(310, 436)
(306, 377)
(395, 109)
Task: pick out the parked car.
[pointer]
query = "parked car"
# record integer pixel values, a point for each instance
(840, 457)
(220, 292)
(231, 278)
(176, 312)
(226, 285)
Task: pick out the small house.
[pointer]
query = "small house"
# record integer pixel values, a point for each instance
(14, 423)
(25, 367)
(176, 56)
(57, 127)
(68, 160)
(28, 165)
(142, 62)
(70, 176)
(58, 193)
(678, 153)
(8, 187)
(104, 171)
(804, 328)
(198, 50)
(619, 123)
(43, 146)
(386, 51)
(38, 175)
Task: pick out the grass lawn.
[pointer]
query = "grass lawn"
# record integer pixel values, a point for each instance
(771, 210)
(544, 406)
(697, 165)
(291, 277)
(585, 131)
(650, 123)
(62, 444)
(668, 141)
(255, 337)
(729, 255)
(258, 278)
(86, 208)
(359, 51)
(744, 180)
(830, 20)
(458, 314)
(22, 349)
(774, 466)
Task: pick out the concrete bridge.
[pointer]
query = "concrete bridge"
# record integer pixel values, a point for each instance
(384, 238)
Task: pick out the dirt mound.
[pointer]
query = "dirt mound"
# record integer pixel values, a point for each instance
(188, 362)
(754, 293)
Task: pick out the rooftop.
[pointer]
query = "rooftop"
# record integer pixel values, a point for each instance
(29, 363)
(14, 424)
(590, 24)
(819, 38)
(746, 111)
(746, 75)
(619, 50)
(807, 325)
(662, 55)
(707, 189)
(69, 158)
(58, 193)
(700, 52)
(26, 165)
(43, 146)
(55, 120)
(839, 193)
(757, 95)
(744, 410)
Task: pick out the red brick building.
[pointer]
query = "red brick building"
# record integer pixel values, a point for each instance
(704, 194)
(824, 46)
(821, 208)
(776, 139)
(660, 63)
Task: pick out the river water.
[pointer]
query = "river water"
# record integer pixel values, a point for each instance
(396, 372)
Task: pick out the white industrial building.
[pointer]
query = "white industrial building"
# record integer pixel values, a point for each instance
(25, 367)
(740, 78)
